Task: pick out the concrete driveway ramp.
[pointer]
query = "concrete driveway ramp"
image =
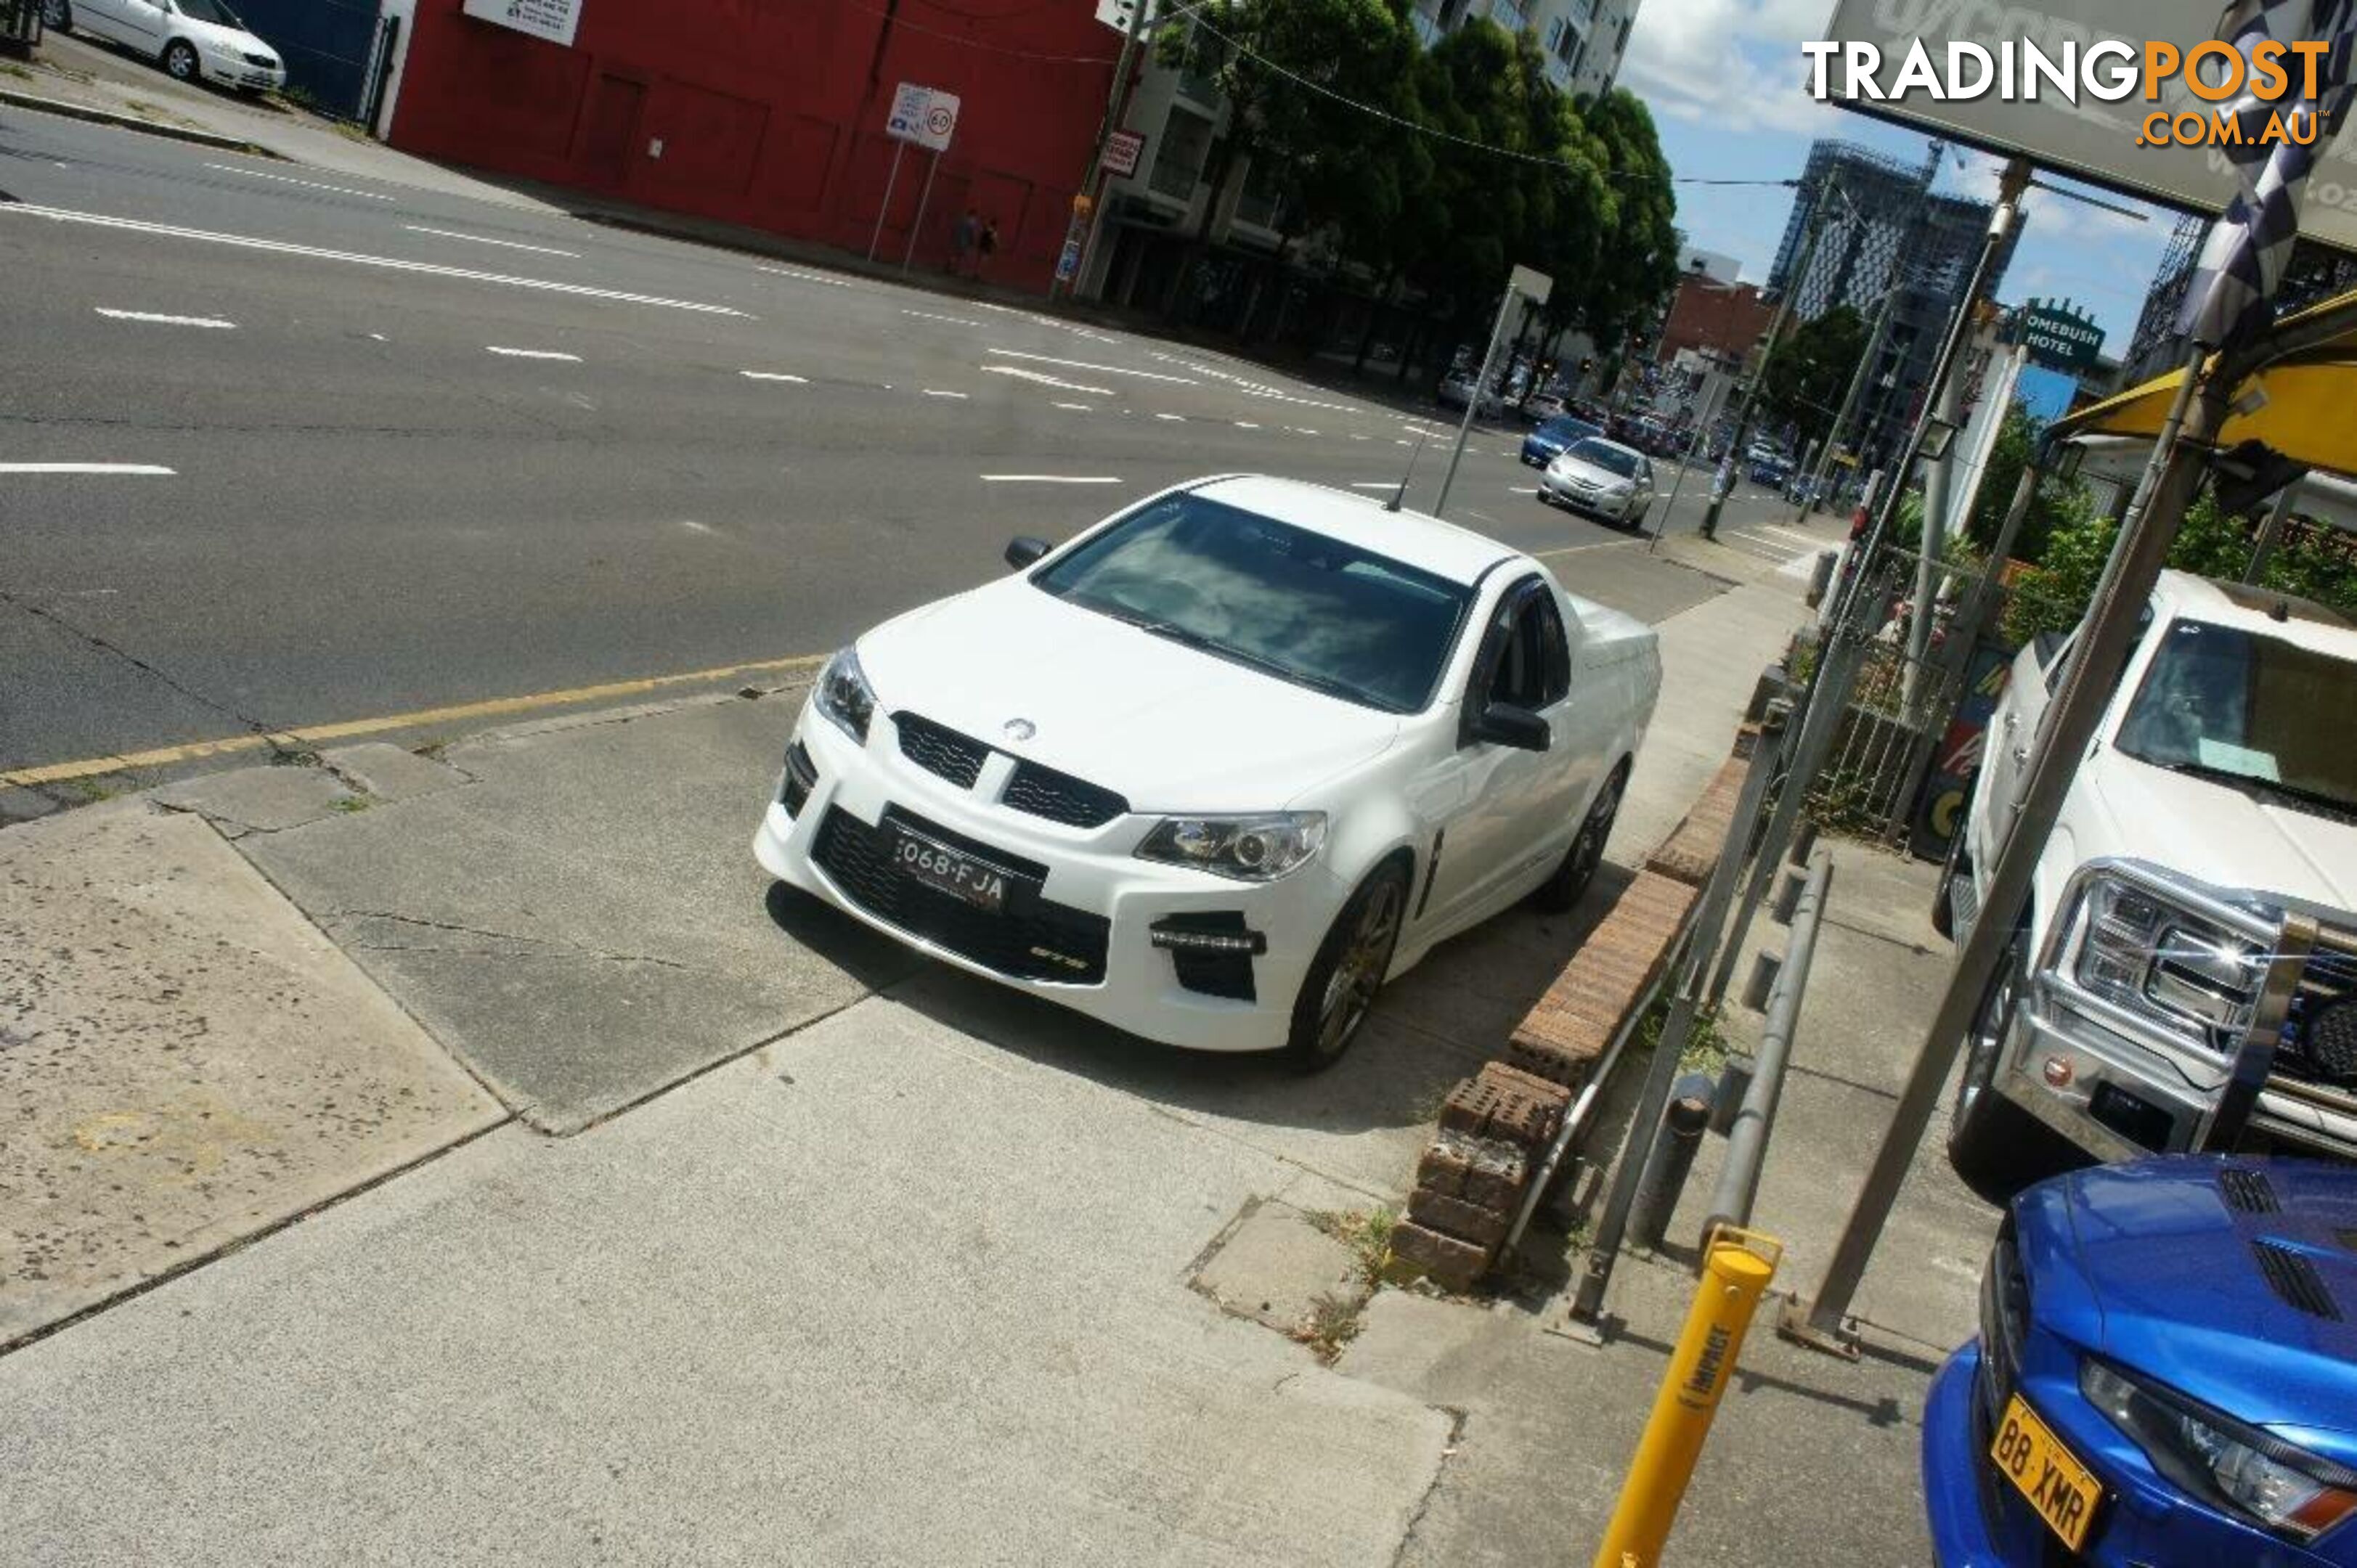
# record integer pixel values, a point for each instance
(184, 1060)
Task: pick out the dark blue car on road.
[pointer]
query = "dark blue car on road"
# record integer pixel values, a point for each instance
(2166, 1375)
(1547, 443)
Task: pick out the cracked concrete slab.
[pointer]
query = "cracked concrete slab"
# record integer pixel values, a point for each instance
(583, 923)
(1280, 1270)
(874, 1296)
(265, 800)
(184, 1060)
(389, 773)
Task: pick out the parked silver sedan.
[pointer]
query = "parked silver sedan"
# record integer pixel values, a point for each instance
(1602, 479)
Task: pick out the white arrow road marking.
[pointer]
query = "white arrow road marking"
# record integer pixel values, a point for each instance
(482, 240)
(1101, 369)
(531, 353)
(1045, 380)
(306, 183)
(138, 468)
(1050, 479)
(390, 264)
(214, 322)
(774, 376)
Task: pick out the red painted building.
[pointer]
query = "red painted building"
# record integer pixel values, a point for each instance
(771, 113)
(1721, 320)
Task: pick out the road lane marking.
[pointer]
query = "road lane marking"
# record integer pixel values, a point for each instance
(693, 526)
(936, 391)
(929, 315)
(1045, 380)
(1810, 539)
(148, 469)
(774, 376)
(531, 353)
(1358, 438)
(1518, 490)
(1599, 544)
(1247, 425)
(1086, 365)
(484, 240)
(356, 258)
(808, 277)
(215, 322)
(306, 183)
(309, 738)
(1173, 418)
(1049, 480)
(1076, 407)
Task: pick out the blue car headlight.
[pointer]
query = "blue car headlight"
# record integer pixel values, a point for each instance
(2282, 1489)
(844, 696)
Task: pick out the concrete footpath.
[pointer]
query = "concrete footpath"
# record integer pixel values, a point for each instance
(834, 1257)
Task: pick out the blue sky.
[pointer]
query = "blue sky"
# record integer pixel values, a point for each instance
(1726, 82)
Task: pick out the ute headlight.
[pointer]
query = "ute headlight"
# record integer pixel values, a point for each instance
(2141, 950)
(2293, 1493)
(843, 694)
(1247, 849)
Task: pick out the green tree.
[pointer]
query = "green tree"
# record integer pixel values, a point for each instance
(1807, 376)
(1635, 267)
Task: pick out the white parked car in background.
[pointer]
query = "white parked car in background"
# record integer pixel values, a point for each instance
(192, 39)
(1602, 478)
(1214, 770)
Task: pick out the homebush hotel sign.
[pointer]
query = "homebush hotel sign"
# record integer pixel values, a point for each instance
(2133, 94)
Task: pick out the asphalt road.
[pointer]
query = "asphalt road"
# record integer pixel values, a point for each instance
(335, 447)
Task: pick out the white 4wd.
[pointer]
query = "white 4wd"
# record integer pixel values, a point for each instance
(2219, 795)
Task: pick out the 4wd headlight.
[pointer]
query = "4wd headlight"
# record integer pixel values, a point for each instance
(2139, 951)
(843, 694)
(2287, 1490)
(1249, 849)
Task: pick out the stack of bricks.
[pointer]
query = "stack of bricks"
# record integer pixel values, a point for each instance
(1494, 1131)
(1567, 1034)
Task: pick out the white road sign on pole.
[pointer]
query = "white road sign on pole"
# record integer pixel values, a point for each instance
(924, 115)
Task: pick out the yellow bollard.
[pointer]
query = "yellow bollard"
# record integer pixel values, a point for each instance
(1734, 1272)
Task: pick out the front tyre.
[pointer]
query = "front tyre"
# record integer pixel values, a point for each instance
(1340, 989)
(181, 60)
(1995, 1146)
(56, 16)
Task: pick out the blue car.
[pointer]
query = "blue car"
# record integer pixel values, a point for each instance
(2166, 1375)
(1547, 443)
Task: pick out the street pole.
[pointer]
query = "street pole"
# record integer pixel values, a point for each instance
(1715, 392)
(1116, 107)
(1523, 287)
(1814, 497)
(1826, 186)
(2091, 677)
(2271, 533)
(885, 206)
(924, 196)
(1939, 487)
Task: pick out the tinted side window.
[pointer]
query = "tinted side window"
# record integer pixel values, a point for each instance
(1534, 660)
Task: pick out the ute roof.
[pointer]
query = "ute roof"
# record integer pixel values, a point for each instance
(1411, 538)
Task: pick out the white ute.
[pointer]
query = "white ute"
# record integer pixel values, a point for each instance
(2219, 795)
(1215, 769)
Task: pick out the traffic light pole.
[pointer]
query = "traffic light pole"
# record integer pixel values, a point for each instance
(1079, 235)
(1813, 497)
(1825, 188)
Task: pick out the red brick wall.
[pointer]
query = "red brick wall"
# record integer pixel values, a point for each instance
(772, 111)
(1715, 320)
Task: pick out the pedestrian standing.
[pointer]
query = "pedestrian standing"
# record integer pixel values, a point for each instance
(962, 242)
(986, 245)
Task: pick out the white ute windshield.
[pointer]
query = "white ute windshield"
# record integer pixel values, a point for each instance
(2244, 709)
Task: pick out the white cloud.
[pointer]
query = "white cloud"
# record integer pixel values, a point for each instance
(1733, 64)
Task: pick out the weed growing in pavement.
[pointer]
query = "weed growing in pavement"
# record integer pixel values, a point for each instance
(1333, 1322)
(11, 67)
(1706, 1048)
(351, 803)
(1369, 1236)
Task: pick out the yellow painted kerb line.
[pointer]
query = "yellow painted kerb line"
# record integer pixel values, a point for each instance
(313, 734)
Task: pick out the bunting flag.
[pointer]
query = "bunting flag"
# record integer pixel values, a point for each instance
(2241, 266)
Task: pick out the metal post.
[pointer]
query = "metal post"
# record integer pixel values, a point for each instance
(1825, 188)
(1473, 402)
(1938, 492)
(1747, 1140)
(1735, 1276)
(1712, 398)
(1117, 109)
(917, 227)
(885, 206)
(2271, 534)
(1662, 1073)
(1671, 1160)
(2070, 723)
(1827, 703)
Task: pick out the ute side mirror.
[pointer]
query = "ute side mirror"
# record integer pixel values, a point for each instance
(1502, 724)
(1023, 550)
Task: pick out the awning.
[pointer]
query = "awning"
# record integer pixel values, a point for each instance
(2310, 382)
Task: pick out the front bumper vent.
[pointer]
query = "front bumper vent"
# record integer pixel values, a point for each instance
(1212, 952)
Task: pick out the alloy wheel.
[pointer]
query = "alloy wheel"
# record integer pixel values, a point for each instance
(1359, 973)
(181, 60)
